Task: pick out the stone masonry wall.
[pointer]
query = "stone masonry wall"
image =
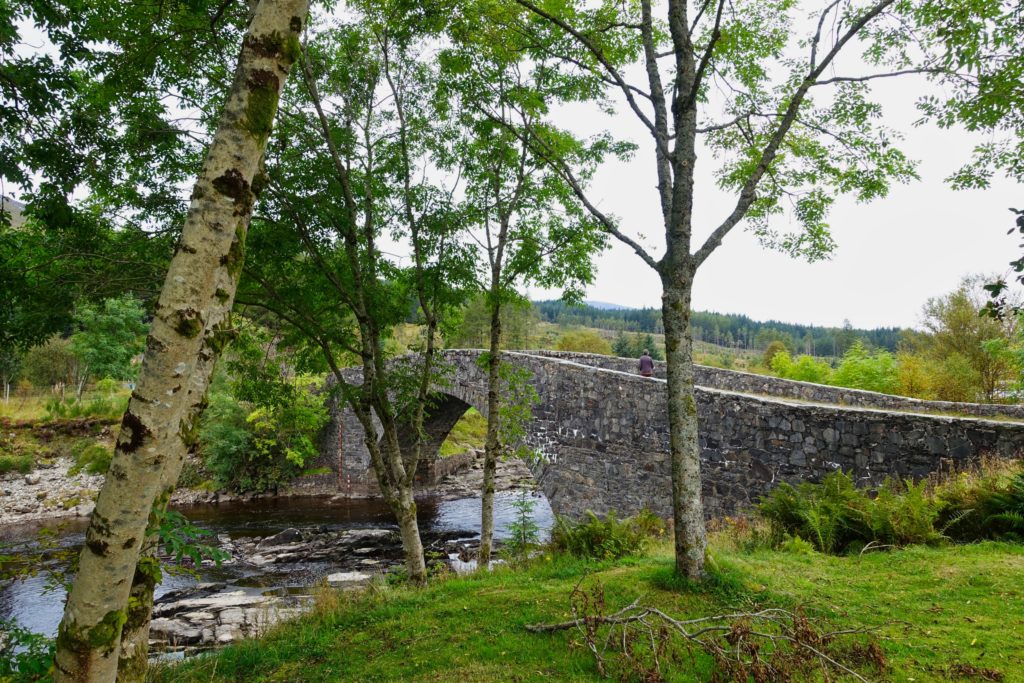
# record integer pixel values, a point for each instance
(750, 383)
(603, 439)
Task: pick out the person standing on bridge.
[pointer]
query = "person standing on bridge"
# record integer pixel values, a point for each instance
(646, 364)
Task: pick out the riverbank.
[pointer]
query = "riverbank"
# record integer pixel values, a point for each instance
(938, 614)
(46, 487)
(279, 551)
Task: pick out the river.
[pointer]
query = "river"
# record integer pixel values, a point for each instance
(34, 606)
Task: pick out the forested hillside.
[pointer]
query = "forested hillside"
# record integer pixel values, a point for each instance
(726, 329)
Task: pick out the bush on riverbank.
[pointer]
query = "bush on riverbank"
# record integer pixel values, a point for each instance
(21, 464)
(835, 516)
(257, 447)
(607, 538)
(90, 457)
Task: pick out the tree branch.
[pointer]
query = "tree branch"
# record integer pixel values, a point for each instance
(603, 60)
(716, 33)
(748, 192)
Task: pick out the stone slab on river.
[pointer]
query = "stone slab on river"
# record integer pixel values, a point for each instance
(209, 614)
(348, 577)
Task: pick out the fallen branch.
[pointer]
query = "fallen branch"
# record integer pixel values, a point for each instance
(770, 644)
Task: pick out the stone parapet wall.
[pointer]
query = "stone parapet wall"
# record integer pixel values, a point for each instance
(766, 385)
(602, 435)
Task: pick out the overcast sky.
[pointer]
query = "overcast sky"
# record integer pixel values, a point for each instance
(892, 254)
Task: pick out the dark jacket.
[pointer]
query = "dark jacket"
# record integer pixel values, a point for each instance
(646, 366)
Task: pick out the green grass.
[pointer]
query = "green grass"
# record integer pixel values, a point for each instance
(24, 447)
(93, 404)
(935, 608)
(22, 464)
(469, 432)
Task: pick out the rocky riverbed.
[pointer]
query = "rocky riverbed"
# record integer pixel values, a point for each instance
(50, 491)
(47, 491)
(281, 550)
(214, 613)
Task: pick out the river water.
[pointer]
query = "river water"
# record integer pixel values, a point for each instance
(38, 607)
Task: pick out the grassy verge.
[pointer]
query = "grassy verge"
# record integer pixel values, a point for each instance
(942, 613)
(469, 432)
(36, 408)
(25, 446)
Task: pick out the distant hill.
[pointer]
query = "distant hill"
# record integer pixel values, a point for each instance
(605, 306)
(13, 207)
(724, 329)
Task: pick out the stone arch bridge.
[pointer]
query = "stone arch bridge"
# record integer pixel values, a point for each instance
(602, 431)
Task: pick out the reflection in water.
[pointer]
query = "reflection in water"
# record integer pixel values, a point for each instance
(39, 610)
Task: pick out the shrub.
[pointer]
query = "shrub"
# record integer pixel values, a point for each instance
(861, 369)
(225, 439)
(955, 379)
(796, 546)
(24, 656)
(1006, 514)
(193, 474)
(584, 341)
(90, 457)
(259, 449)
(775, 348)
(914, 375)
(101, 407)
(803, 369)
(108, 385)
(836, 516)
(16, 463)
(984, 503)
(608, 538)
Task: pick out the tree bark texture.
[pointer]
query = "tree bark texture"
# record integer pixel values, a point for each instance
(150, 439)
(684, 442)
(134, 653)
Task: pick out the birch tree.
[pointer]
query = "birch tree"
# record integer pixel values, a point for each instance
(200, 283)
(361, 233)
(529, 227)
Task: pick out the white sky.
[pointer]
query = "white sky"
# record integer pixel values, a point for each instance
(892, 255)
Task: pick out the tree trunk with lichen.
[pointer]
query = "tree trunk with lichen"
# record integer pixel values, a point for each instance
(491, 444)
(409, 530)
(134, 653)
(684, 443)
(149, 447)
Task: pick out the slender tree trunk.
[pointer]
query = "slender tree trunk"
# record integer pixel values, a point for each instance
(491, 445)
(687, 506)
(412, 545)
(88, 640)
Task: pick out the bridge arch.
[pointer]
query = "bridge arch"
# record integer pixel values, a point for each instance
(602, 433)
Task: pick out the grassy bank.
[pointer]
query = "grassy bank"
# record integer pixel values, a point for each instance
(950, 613)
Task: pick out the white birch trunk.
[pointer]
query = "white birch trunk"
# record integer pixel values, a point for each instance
(88, 641)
